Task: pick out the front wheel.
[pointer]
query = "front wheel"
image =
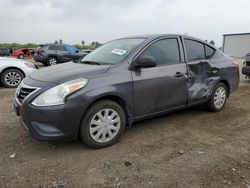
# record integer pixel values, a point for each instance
(11, 78)
(102, 124)
(218, 98)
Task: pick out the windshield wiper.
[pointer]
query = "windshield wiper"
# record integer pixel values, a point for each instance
(90, 62)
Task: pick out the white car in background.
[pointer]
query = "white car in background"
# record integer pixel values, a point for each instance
(13, 71)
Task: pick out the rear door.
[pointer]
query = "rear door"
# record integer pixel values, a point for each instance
(200, 69)
(162, 87)
(61, 52)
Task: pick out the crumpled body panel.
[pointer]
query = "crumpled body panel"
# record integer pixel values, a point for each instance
(202, 78)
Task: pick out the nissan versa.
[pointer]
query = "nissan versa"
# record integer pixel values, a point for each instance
(121, 82)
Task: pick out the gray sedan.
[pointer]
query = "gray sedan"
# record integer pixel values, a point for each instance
(12, 71)
(121, 82)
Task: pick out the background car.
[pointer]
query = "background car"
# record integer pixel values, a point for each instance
(12, 71)
(52, 54)
(246, 68)
(87, 51)
(5, 51)
(23, 53)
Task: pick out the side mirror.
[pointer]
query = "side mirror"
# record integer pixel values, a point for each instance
(145, 62)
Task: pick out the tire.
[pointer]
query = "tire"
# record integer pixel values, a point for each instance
(11, 78)
(52, 61)
(95, 139)
(220, 92)
(20, 56)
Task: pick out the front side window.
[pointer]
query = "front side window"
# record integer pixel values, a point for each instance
(195, 50)
(113, 52)
(71, 49)
(165, 51)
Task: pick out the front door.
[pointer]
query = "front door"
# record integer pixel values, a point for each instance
(72, 53)
(162, 87)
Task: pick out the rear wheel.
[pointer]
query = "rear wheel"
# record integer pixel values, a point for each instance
(12, 78)
(218, 98)
(52, 61)
(102, 124)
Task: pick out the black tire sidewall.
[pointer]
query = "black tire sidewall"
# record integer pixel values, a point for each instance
(84, 129)
(7, 71)
(21, 56)
(211, 104)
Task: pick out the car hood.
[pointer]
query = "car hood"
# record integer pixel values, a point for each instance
(68, 71)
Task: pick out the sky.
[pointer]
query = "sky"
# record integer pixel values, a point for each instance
(44, 21)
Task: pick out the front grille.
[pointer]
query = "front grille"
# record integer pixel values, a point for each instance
(24, 92)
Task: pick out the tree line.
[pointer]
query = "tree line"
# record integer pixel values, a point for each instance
(81, 46)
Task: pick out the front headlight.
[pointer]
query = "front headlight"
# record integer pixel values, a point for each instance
(56, 95)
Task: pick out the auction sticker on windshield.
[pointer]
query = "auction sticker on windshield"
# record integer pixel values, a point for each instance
(118, 51)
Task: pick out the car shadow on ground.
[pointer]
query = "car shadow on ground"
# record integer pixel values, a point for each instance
(136, 127)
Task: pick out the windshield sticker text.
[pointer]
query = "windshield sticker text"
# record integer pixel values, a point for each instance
(118, 51)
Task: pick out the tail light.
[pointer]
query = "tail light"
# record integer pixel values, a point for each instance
(40, 50)
(237, 64)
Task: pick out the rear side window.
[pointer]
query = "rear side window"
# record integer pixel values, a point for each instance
(52, 47)
(195, 50)
(165, 51)
(60, 48)
(209, 51)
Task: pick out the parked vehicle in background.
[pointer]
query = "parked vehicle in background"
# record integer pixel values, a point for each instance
(121, 82)
(246, 67)
(87, 51)
(52, 54)
(23, 53)
(5, 51)
(12, 71)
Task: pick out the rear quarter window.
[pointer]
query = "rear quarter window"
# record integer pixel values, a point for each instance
(51, 47)
(209, 51)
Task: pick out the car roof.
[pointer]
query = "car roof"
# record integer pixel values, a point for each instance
(155, 36)
(148, 36)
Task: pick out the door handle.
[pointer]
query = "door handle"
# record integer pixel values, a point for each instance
(178, 75)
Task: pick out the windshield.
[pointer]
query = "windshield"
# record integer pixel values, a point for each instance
(112, 52)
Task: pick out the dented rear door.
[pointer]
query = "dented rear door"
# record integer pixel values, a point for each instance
(201, 71)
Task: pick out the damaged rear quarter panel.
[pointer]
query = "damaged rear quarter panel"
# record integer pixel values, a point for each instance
(205, 74)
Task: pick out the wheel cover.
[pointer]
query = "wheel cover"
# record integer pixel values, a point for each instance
(52, 61)
(13, 78)
(104, 125)
(219, 97)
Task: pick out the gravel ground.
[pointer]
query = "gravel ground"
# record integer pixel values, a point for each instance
(190, 148)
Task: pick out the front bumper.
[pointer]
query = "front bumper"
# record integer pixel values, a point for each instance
(51, 123)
